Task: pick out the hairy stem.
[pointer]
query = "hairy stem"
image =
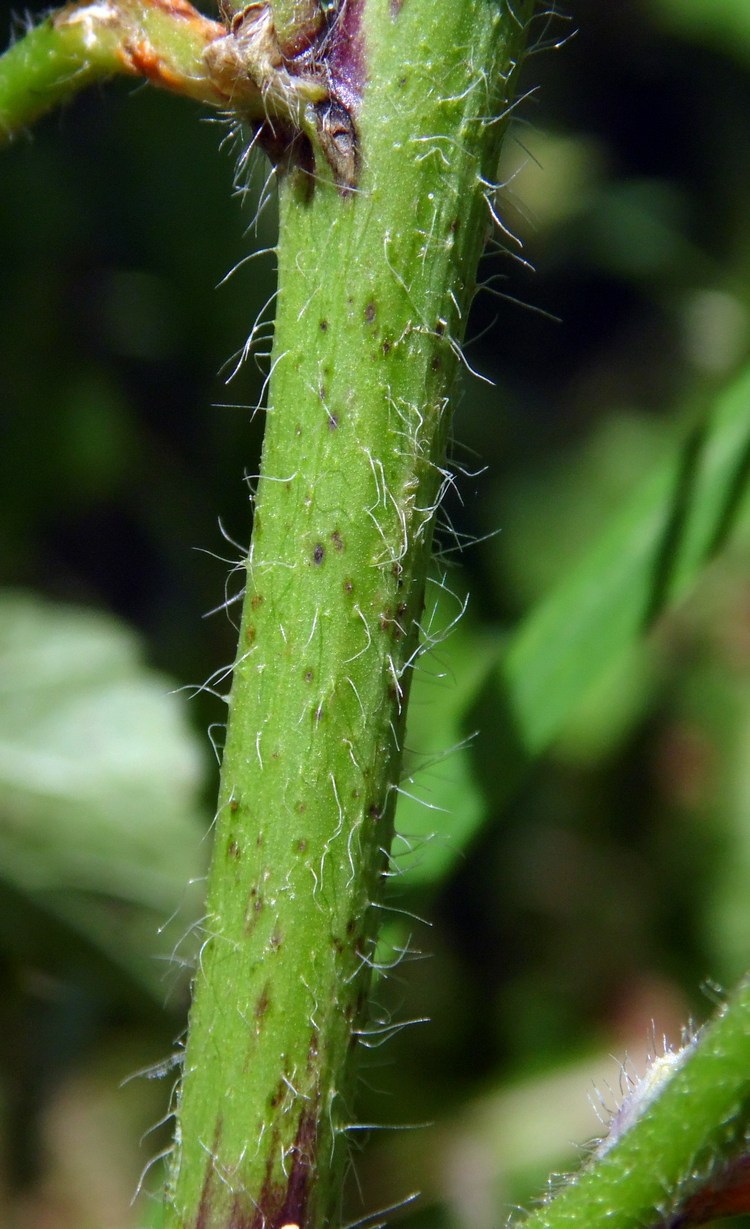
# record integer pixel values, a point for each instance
(681, 1162)
(376, 273)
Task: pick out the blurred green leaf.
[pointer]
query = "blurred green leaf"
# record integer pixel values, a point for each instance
(725, 23)
(642, 563)
(99, 778)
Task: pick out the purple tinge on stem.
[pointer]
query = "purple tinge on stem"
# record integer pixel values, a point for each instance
(346, 57)
(726, 1194)
(278, 1203)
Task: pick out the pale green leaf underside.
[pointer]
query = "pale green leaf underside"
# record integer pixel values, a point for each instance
(99, 773)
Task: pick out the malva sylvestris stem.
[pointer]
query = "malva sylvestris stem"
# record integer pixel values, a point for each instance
(375, 282)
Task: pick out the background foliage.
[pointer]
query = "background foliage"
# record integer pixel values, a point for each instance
(610, 890)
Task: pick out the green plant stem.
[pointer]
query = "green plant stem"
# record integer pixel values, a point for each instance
(681, 1144)
(84, 43)
(374, 288)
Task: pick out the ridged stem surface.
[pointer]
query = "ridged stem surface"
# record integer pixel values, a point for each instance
(374, 287)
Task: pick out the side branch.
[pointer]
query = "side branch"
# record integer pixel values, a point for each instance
(76, 46)
(296, 101)
(684, 1160)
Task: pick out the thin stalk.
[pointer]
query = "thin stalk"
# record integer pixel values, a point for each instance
(76, 46)
(376, 274)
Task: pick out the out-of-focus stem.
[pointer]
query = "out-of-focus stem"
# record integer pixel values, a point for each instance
(683, 1160)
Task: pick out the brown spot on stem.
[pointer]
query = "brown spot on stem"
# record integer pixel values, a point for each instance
(348, 585)
(355, 1007)
(338, 541)
(324, 326)
(253, 910)
(263, 1003)
(202, 1220)
(256, 600)
(319, 553)
(278, 1095)
(250, 633)
(370, 312)
(333, 422)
